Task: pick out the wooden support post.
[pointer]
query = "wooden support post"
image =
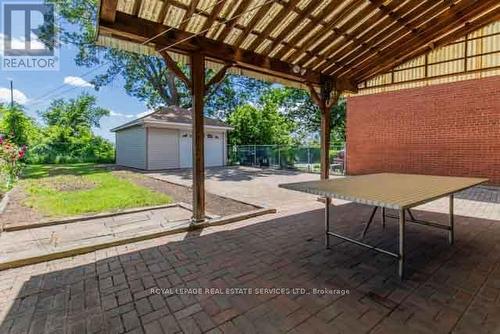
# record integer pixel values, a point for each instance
(198, 135)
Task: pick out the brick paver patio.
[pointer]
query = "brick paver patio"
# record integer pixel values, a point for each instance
(448, 289)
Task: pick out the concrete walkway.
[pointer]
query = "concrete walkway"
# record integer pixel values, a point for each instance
(252, 185)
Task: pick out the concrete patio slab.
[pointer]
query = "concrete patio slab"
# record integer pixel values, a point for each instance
(252, 185)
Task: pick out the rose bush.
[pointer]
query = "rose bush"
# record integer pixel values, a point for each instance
(11, 156)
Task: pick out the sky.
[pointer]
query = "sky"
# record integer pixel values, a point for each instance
(35, 89)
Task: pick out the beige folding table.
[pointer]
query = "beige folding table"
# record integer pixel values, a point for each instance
(388, 191)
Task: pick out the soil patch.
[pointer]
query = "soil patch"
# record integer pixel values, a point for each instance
(215, 204)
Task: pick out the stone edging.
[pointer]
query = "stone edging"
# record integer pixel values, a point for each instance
(85, 218)
(87, 249)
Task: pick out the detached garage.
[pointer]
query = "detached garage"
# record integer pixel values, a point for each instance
(162, 140)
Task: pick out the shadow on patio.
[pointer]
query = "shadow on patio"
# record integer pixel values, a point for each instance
(234, 173)
(447, 288)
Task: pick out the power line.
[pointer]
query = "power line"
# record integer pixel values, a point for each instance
(153, 38)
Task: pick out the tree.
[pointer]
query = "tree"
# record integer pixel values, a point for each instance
(75, 115)
(297, 105)
(264, 125)
(17, 126)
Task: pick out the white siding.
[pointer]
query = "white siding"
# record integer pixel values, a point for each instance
(163, 148)
(131, 147)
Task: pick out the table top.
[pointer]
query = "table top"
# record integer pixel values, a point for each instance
(389, 190)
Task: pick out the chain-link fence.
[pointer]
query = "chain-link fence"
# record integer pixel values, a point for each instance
(305, 158)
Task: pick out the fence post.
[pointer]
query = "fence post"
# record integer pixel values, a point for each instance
(279, 156)
(308, 159)
(255, 155)
(344, 167)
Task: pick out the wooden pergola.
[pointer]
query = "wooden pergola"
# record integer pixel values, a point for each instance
(328, 46)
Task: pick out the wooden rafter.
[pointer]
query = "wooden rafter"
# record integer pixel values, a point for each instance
(108, 10)
(296, 21)
(308, 28)
(253, 22)
(163, 11)
(434, 28)
(466, 29)
(324, 31)
(217, 78)
(188, 14)
(172, 66)
(231, 22)
(338, 32)
(396, 18)
(379, 36)
(139, 30)
(375, 23)
(213, 16)
(284, 11)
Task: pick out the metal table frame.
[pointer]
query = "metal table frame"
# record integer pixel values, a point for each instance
(402, 222)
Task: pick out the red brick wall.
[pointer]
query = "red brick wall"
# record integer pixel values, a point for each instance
(448, 129)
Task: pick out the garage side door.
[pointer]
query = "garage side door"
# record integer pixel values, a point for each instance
(163, 148)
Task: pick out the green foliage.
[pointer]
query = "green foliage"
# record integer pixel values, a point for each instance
(17, 126)
(68, 136)
(259, 125)
(67, 190)
(10, 162)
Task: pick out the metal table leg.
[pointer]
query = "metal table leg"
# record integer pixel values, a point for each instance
(383, 217)
(328, 201)
(452, 222)
(401, 260)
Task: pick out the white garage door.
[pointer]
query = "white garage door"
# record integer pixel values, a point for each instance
(214, 150)
(163, 148)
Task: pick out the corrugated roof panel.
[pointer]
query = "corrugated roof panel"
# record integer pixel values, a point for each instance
(174, 16)
(126, 6)
(288, 19)
(263, 46)
(245, 19)
(248, 41)
(232, 36)
(262, 24)
(195, 24)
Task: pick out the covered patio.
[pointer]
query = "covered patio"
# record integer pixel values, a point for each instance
(272, 274)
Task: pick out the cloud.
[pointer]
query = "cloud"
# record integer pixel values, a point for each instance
(77, 82)
(19, 97)
(119, 114)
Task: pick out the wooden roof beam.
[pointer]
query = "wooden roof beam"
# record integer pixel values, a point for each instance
(108, 10)
(375, 40)
(338, 32)
(484, 20)
(332, 59)
(172, 66)
(307, 29)
(253, 22)
(277, 19)
(135, 29)
(231, 22)
(313, 4)
(432, 29)
(213, 16)
(326, 30)
(188, 14)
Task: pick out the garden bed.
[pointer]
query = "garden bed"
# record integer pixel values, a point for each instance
(49, 192)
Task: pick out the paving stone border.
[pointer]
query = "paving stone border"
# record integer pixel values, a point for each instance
(185, 226)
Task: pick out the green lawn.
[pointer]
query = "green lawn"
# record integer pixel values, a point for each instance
(74, 189)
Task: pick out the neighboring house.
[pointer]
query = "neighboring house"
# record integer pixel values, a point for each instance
(162, 140)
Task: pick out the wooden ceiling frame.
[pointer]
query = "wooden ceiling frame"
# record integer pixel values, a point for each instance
(328, 29)
(431, 30)
(140, 30)
(273, 24)
(350, 53)
(368, 36)
(392, 36)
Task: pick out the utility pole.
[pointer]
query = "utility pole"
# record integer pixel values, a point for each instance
(11, 94)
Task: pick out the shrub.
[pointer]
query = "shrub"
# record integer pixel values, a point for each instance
(11, 156)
